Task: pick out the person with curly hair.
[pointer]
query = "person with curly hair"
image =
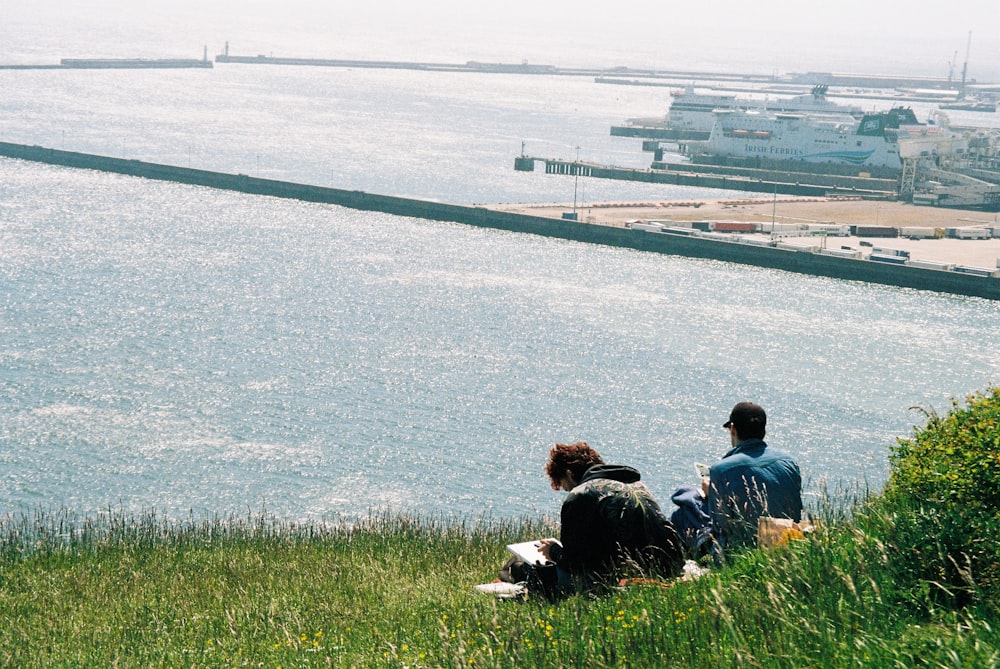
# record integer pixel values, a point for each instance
(611, 525)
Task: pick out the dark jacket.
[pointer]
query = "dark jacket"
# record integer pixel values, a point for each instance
(612, 526)
(752, 480)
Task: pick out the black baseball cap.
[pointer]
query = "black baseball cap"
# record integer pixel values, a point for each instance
(746, 414)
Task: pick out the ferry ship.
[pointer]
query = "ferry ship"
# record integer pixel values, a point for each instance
(695, 112)
(878, 140)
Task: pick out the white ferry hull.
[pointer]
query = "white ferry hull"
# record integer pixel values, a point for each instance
(799, 138)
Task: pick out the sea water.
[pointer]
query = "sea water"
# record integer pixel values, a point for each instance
(190, 350)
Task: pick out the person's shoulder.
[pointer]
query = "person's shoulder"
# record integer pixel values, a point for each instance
(596, 487)
(779, 454)
(737, 457)
(582, 491)
(747, 455)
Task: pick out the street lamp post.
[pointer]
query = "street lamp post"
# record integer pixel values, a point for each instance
(576, 178)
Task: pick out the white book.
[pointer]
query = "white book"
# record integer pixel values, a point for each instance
(530, 551)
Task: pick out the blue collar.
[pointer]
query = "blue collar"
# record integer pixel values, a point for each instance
(746, 445)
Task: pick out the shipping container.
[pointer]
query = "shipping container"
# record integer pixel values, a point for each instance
(829, 229)
(931, 264)
(970, 233)
(918, 233)
(840, 253)
(783, 227)
(874, 231)
(796, 247)
(718, 236)
(757, 241)
(883, 251)
(732, 226)
(647, 227)
(978, 271)
(684, 232)
(891, 260)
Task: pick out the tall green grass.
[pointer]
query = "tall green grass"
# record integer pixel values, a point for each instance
(396, 591)
(869, 589)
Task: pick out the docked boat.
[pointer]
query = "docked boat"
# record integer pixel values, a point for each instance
(691, 114)
(877, 140)
(695, 112)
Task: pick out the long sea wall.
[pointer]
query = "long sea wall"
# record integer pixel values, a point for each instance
(761, 256)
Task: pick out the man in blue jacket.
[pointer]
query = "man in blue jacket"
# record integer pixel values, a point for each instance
(751, 480)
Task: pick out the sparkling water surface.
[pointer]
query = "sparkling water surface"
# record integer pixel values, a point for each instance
(190, 350)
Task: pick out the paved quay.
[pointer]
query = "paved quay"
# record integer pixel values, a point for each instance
(973, 252)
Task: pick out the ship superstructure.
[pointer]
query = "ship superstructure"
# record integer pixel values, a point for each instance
(695, 112)
(877, 140)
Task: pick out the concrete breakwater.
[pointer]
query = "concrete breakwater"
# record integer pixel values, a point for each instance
(118, 64)
(724, 177)
(694, 247)
(623, 75)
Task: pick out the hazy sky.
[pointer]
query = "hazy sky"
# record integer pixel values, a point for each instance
(783, 35)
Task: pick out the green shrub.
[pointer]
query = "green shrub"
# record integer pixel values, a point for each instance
(943, 502)
(954, 460)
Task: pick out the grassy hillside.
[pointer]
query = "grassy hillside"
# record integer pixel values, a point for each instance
(890, 582)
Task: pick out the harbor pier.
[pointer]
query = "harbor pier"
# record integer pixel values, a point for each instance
(785, 182)
(670, 244)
